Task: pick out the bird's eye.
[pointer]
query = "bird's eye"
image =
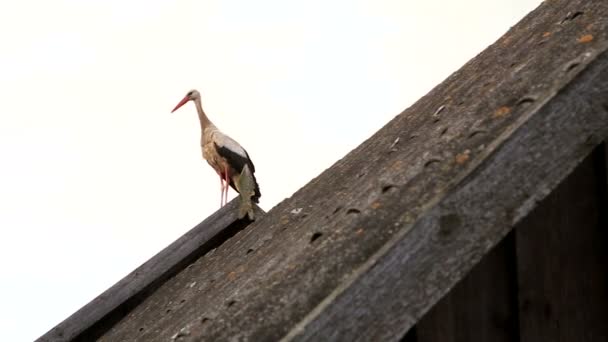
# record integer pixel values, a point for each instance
(190, 93)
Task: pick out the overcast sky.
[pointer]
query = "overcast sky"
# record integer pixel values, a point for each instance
(97, 176)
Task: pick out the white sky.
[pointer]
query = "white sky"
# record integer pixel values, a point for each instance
(97, 176)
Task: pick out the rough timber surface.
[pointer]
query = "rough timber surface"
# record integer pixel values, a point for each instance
(546, 281)
(365, 249)
(101, 313)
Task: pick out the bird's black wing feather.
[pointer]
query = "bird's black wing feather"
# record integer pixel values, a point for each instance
(250, 163)
(237, 162)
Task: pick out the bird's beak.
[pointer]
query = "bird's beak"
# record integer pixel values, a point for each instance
(181, 103)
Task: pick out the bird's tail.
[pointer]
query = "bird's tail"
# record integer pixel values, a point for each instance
(249, 192)
(256, 192)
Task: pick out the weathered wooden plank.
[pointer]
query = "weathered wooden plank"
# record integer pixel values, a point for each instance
(482, 307)
(366, 248)
(101, 313)
(563, 261)
(453, 234)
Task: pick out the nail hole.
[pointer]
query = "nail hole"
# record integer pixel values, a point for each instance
(571, 16)
(392, 147)
(413, 136)
(204, 320)
(168, 311)
(231, 303)
(443, 131)
(526, 100)
(431, 162)
(572, 66)
(141, 329)
(182, 301)
(361, 175)
(249, 251)
(436, 120)
(387, 188)
(439, 110)
(448, 224)
(576, 14)
(336, 210)
(315, 236)
(353, 211)
(476, 133)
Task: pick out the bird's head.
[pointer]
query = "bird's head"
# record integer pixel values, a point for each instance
(192, 95)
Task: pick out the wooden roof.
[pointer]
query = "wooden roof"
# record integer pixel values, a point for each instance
(370, 245)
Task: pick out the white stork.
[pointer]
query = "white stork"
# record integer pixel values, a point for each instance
(227, 157)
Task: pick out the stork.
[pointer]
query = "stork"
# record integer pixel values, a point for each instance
(227, 157)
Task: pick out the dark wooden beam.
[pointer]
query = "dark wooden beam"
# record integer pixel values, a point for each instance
(95, 318)
(482, 307)
(370, 245)
(563, 260)
(551, 285)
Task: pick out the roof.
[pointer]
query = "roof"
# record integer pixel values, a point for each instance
(95, 318)
(370, 245)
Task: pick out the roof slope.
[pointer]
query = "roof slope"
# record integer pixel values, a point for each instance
(367, 247)
(95, 318)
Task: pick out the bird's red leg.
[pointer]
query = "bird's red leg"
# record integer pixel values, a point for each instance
(227, 186)
(221, 190)
(225, 191)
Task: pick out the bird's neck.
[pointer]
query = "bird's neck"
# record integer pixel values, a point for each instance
(205, 122)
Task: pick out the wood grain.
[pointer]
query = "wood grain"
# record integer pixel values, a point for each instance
(112, 305)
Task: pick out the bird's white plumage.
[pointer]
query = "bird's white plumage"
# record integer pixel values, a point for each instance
(222, 140)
